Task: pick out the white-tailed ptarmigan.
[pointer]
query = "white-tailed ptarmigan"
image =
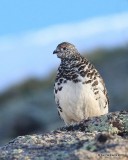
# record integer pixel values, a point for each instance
(79, 89)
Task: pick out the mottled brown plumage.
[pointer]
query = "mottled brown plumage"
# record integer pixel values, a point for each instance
(79, 89)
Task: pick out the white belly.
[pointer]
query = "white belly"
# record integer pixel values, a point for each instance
(78, 102)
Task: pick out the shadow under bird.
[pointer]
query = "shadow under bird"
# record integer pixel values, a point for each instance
(79, 89)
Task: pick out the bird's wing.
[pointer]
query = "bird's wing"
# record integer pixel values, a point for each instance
(91, 76)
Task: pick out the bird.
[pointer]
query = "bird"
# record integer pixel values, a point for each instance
(79, 89)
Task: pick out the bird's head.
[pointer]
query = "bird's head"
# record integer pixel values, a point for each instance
(66, 50)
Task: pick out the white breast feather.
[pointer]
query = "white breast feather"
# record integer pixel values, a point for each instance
(78, 102)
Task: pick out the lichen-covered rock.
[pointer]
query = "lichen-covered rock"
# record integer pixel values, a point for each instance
(114, 122)
(96, 138)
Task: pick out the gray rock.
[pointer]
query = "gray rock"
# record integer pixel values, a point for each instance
(96, 138)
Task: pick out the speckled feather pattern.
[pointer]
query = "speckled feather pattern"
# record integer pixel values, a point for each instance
(79, 89)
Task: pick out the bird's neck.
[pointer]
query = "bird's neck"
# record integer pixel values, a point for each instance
(72, 62)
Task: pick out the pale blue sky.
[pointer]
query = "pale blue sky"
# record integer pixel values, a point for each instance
(23, 15)
(31, 29)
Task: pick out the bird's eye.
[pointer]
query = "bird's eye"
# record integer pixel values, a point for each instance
(64, 48)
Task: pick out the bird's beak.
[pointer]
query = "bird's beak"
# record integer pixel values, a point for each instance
(55, 52)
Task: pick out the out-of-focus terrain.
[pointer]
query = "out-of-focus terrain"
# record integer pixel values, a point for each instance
(29, 107)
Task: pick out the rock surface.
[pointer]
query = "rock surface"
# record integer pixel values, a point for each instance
(104, 137)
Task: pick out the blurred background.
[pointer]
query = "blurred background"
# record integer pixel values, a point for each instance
(30, 31)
